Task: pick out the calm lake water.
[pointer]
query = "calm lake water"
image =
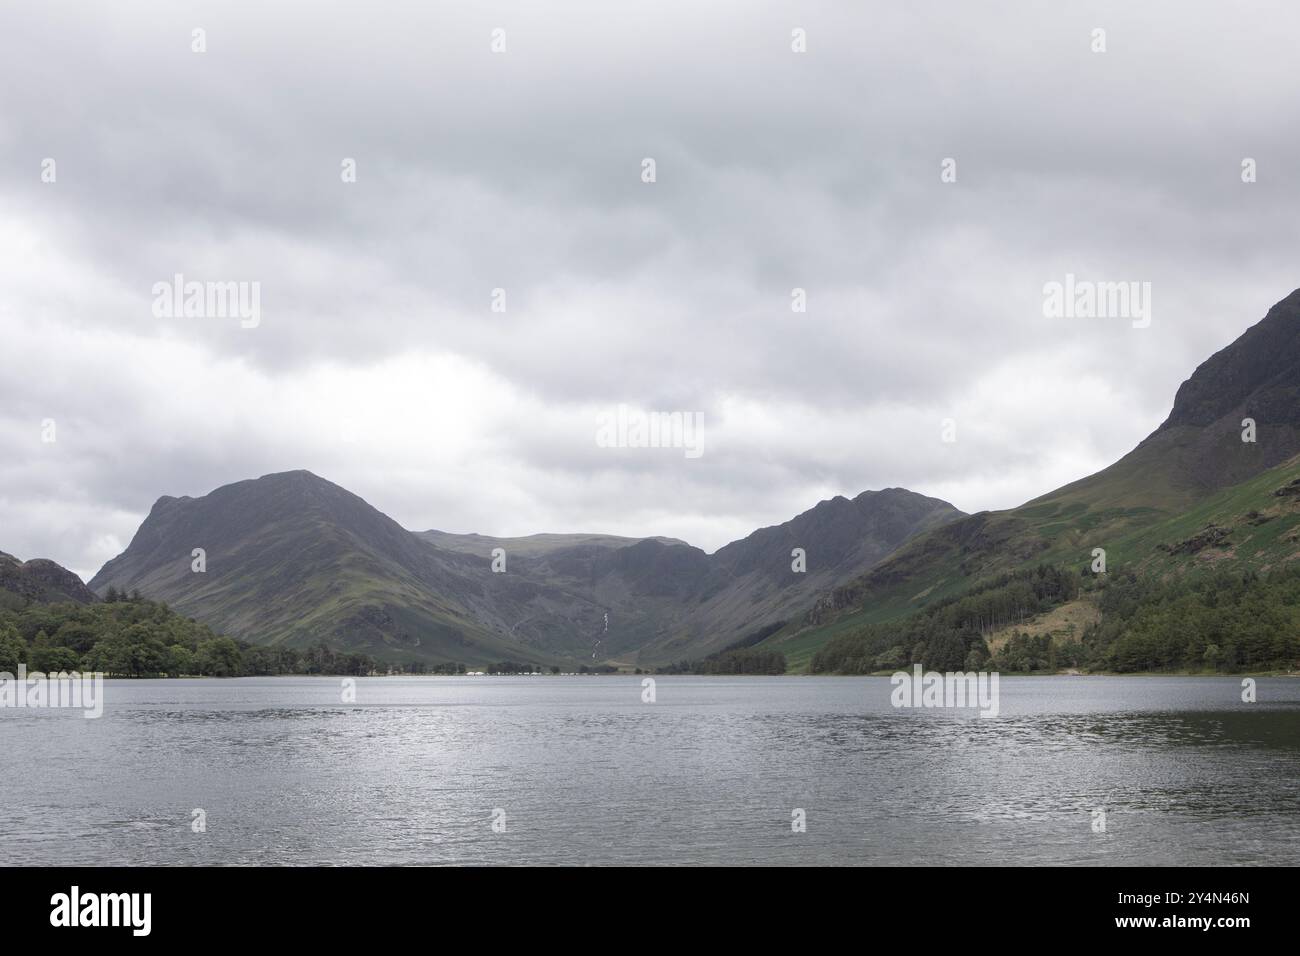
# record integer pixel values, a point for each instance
(709, 773)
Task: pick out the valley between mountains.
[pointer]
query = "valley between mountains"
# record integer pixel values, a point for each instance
(1203, 513)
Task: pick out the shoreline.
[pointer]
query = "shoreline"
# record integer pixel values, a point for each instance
(643, 674)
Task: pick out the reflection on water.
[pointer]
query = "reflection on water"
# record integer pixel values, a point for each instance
(709, 773)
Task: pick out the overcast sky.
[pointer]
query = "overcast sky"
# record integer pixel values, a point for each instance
(379, 363)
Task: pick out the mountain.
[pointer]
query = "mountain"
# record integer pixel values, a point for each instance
(750, 583)
(292, 559)
(39, 581)
(1198, 449)
(1191, 496)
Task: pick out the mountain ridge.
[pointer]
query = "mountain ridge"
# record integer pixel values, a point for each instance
(349, 574)
(40, 581)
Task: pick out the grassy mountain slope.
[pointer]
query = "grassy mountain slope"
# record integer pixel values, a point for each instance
(751, 584)
(292, 559)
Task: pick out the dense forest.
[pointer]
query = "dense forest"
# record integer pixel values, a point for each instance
(1226, 622)
(1213, 623)
(949, 635)
(737, 661)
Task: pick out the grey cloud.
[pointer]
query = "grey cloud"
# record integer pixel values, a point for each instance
(521, 171)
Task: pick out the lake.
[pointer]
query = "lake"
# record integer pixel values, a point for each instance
(579, 770)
